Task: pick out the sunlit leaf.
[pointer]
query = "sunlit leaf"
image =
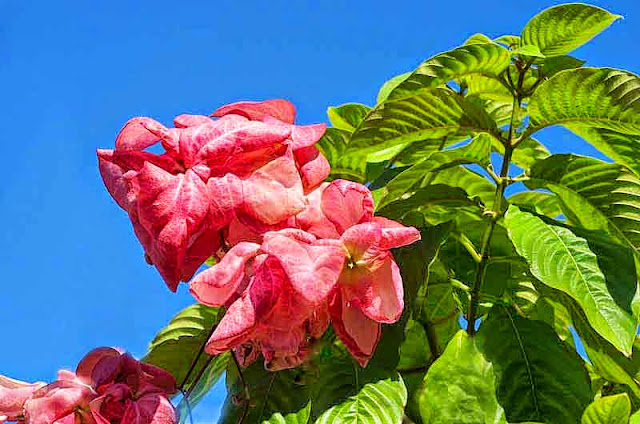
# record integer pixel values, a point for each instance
(563, 28)
(489, 59)
(460, 387)
(564, 261)
(608, 410)
(348, 116)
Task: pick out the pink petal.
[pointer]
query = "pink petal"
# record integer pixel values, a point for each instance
(235, 327)
(314, 167)
(216, 285)
(13, 395)
(274, 192)
(346, 204)
(280, 109)
(318, 322)
(56, 401)
(312, 269)
(306, 135)
(215, 144)
(139, 133)
(99, 366)
(359, 334)
(312, 219)
(363, 243)
(395, 234)
(172, 209)
(150, 409)
(378, 294)
(157, 377)
(225, 196)
(238, 232)
(185, 120)
(202, 246)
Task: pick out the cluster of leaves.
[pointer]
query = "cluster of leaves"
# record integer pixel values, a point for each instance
(560, 256)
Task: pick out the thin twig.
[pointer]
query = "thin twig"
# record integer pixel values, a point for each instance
(247, 397)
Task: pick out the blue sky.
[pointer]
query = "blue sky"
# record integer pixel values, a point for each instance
(73, 72)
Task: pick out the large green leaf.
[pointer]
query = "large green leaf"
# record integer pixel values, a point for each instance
(478, 151)
(333, 145)
(594, 97)
(343, 392)
(563, 28)
(388, 86)
(595, 194)
(460, 387)
(537, 377)
(608, 410)
(607, 361)
(635, 418)
(445, 199)
(474, 184)
(273, 397)
(177, 345)
(488, 59)
(348, 116)
(562, 260)
(622, 148)
(552, 65)
(425, 115)
(542, 203)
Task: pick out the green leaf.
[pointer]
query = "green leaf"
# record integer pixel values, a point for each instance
(274, 397)
(537, 377)
(460, 387)
(345, 393)
(489, 88)
(427, 115)
(552, 65)
(433, 196)
(622, 148)
(608, 410)
(348, 116)
(563, 28)
(176, 345)
(542, 203)
(594, 97)
(607, 361)
(333, 145)
(478, 151)
(488, 59)
(509, 40)
(528, 50)
(635, 418)
(474, 184)
(390, 85)
(563, 260)
(526, 153)
(594, 194)
(478, 39)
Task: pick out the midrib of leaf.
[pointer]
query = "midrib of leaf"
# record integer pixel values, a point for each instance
(582, 277)
(583, 119)
(527, 363)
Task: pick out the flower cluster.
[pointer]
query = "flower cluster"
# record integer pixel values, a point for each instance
(293, 253)
(108, 387)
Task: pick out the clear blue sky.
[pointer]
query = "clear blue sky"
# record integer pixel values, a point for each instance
(72, 72)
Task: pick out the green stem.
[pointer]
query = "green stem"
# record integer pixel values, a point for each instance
(494, 215)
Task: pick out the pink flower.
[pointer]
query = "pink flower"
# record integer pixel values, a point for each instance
(274, 293)
(13, 395)
(369, 291)
(313, 166)
(108, 387)
(179, 201)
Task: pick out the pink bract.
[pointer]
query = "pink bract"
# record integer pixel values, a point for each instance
(108, 387)
(251, 162)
